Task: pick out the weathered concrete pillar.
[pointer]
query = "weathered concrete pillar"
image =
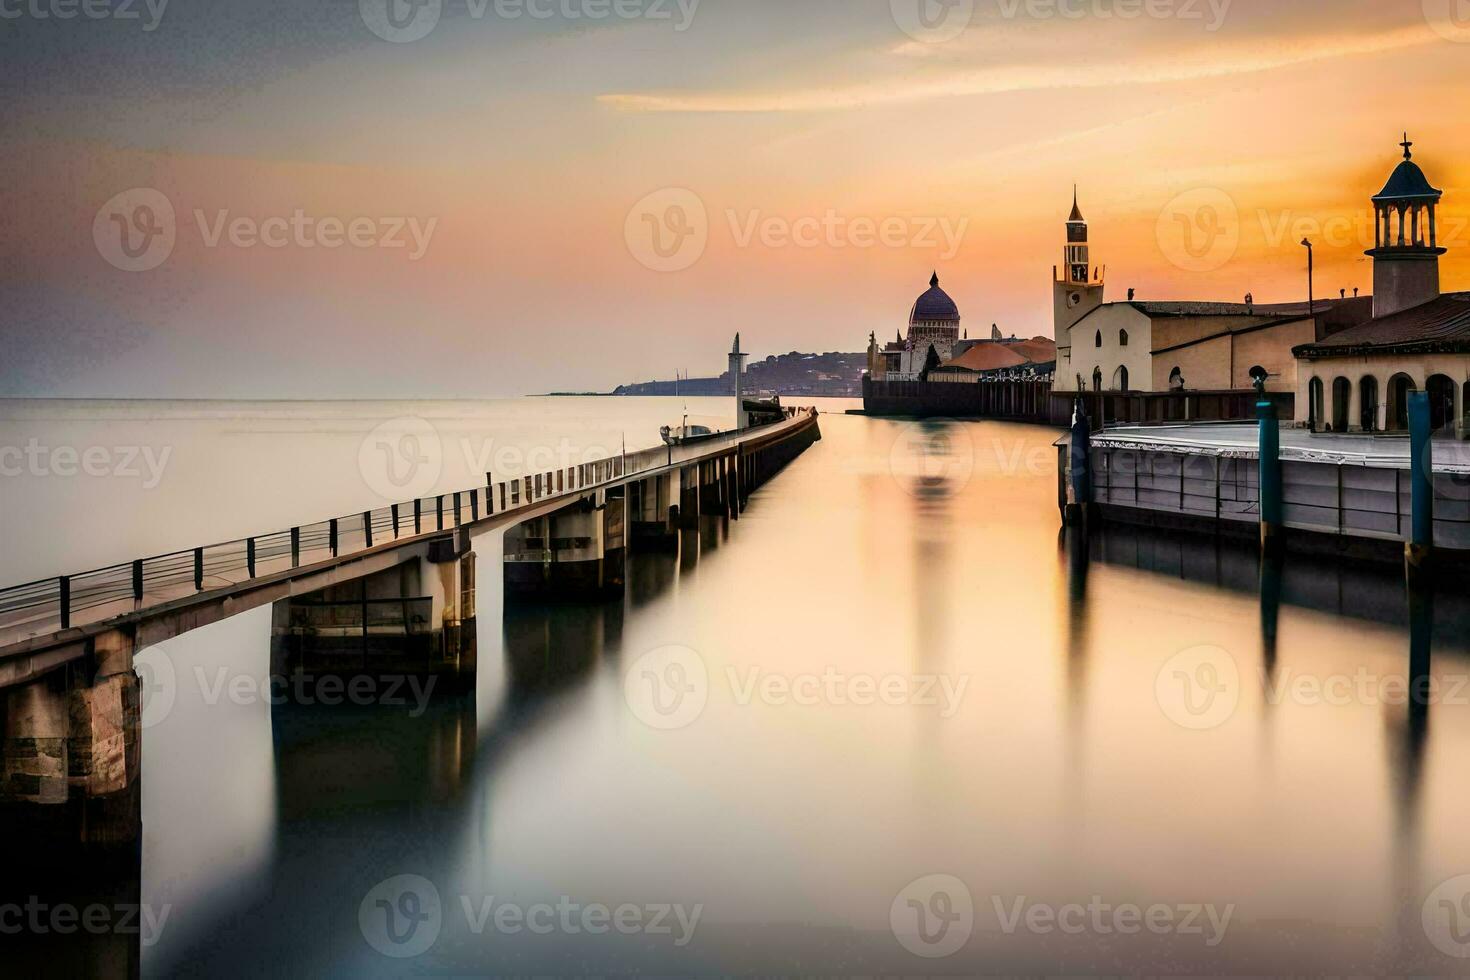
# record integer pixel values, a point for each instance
(689, 497)
(652, 522)
(576, 553)
(37, 726)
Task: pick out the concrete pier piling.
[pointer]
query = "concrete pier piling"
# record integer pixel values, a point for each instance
(1272, 519)
(1079, 495)
(1419, 549)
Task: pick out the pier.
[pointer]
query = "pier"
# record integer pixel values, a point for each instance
(389, 590)
(1341, 491)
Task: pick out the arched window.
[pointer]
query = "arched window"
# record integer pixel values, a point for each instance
(1176, 380)
(1097, 379)
(1314, 404)
(1342, 396)
(1368, 403)
(1097, 342)
(1399, 387)
(1120, 379)
(1441, 402)
(1122, 338)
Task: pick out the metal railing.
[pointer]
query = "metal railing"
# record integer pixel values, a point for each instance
(61, 602)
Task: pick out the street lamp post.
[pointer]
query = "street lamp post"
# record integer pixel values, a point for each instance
(1311, 293)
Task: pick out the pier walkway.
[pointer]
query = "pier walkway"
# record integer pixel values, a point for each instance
(52, 621)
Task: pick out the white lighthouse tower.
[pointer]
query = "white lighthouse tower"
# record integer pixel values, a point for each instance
(737, 374)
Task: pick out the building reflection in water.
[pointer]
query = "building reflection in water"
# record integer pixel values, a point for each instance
(1372, 592)
(940, 460)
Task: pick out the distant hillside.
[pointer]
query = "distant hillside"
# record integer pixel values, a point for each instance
(833, 375)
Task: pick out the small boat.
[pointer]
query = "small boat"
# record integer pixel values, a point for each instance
(679, 435)
(763, 408)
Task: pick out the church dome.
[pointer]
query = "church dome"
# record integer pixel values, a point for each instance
(935, 305)
(1408, 181)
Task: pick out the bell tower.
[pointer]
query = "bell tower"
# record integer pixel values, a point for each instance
(1078, 264)
(1076, 289)
(1406, 253)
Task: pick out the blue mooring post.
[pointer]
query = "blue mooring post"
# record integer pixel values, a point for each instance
(1081, 460)
(1272, 505)
(1420, 547)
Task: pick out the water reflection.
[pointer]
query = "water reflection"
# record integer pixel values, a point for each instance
(1058, 777)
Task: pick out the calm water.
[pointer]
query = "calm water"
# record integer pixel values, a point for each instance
(900, 669)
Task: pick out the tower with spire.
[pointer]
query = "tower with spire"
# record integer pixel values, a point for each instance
(1078, 261)
(1077, 287)
(1406, 250)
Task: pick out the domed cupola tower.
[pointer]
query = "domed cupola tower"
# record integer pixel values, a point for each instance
(934, 321)
(1406, 256)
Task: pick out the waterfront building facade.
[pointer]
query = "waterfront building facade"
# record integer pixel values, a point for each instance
(1358, 379)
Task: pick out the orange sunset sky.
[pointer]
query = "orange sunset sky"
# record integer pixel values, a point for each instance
(522, 143)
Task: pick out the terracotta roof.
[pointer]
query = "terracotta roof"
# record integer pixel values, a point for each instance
(1041, 350)
(987, 357)
(1439, 326)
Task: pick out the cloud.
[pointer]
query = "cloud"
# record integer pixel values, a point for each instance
(1216, 59)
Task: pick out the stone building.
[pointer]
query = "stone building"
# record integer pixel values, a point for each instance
(1358, 379)
(934, 322)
